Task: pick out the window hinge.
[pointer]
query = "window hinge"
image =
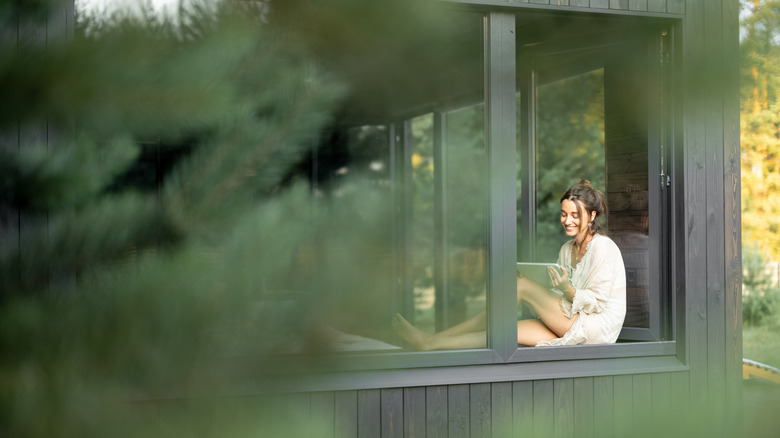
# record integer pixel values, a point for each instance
(666, 180)
(664, 51)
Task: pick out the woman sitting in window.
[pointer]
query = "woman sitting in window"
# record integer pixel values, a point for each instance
(592, 281)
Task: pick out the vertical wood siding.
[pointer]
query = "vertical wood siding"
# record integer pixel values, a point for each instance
(663, 6)
(623, 405)
(59, 26)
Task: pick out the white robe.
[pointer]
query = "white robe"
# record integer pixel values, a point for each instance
(600, 298)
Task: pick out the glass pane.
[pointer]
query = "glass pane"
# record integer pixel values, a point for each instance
(466, 218)
(417, 132)
(423, 223)
(450, 223)
(570, 147)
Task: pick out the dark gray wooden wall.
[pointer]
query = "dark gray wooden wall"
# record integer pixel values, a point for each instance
(626, 154)
(706, 262)
(60, 25)
(659, 6)
(654, 404)
(708, 286)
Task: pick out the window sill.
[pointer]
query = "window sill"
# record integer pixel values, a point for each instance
(490, 373)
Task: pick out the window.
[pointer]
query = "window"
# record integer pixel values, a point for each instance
(586, 106)
(594, 112)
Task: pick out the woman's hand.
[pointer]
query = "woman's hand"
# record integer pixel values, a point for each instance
(560, 280)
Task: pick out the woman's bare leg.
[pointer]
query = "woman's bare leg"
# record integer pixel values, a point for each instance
(477, 323)
(545, 304)
(468, 334)
(531, 331)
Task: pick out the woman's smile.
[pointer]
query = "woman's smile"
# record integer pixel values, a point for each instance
(570, 217)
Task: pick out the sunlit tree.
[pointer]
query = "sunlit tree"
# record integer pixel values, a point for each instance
(760, 124)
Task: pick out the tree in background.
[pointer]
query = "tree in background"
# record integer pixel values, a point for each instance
(115, 292)
(760, 125)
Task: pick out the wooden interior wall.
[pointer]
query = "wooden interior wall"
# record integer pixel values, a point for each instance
(626, 127)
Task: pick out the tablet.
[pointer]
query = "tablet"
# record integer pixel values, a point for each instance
(537, 272)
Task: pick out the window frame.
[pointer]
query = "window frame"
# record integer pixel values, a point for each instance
(500, 136)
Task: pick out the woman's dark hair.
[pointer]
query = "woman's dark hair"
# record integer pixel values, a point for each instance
(585, 196)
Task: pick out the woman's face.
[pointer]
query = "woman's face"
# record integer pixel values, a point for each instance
(573, 223)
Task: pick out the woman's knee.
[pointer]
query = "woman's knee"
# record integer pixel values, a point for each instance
(523, 285)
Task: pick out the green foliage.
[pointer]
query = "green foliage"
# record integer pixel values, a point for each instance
(760, 118)
(115, 298)
(570, 137)
(760, 293)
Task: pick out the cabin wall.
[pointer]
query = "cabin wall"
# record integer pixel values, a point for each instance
(654, 404)
(658, 6)
(706, 260)
(712, 202)
(60, 25)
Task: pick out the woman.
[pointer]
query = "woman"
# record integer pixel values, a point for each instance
(592, 282)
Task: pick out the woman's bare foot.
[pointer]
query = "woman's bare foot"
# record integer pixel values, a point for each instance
(411, 334)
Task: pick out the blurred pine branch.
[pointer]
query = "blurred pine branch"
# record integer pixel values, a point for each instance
(113, 293)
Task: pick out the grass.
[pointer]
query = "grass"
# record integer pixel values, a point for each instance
(761, 399)
(761, 344)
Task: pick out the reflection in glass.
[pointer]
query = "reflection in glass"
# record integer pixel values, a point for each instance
(415, 133)
(423, 258)
(570, 144)
(466, 182)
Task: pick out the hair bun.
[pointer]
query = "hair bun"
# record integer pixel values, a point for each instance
(585, 183)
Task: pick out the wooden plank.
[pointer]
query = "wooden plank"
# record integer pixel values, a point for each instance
(733, 202)
(695, 198)
(661, 394)
(716, 311)
(627, 161)
(323, 411)
(414, 412)
(627, 182)
(623, 408)
(436, 411)
(618, 4)
(624, 138)
(637, 224)
(637, 5)
(634, 201)
(458, 411)
(346, 414)
(369, 413)
(656, 5)
(9, 217)
(501, 408)
(599, 4)
(392, 412)
(676, 6)
(522, 408)
(480, 410)
(681, 401)
(544, 408)
(297, 405)
(579, 3)
(643, 403)
(583, 407)
(563, 399)
(630, 242)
